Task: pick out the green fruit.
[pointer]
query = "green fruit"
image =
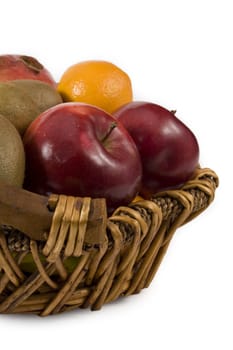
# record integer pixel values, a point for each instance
(12, 156)
(28, 265)
(21, 101)
(16, 106)
(70, 263)
(43, 94)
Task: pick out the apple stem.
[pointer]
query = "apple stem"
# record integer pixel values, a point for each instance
(174, 111)
(112, 126)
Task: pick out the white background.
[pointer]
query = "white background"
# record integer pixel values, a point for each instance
(178, 54)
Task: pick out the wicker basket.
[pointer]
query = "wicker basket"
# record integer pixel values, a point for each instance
(78, 256)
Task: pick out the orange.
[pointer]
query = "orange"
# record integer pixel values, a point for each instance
(99, 83)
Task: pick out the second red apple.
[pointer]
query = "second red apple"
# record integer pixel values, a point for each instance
(168, 148)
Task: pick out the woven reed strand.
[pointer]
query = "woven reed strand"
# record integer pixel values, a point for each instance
(136, 240)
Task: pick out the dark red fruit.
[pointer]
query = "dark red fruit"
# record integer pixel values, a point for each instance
(169, 150)
(14, 67)
(78, 149)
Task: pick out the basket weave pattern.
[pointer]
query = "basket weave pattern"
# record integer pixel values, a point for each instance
(136, 239)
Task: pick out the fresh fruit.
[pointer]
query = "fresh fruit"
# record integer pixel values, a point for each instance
(169, 150)
(28, 264)
(99, 83)
(78, 149)
(14, 67)
(21, 101)
(41, 93)
(12, 156)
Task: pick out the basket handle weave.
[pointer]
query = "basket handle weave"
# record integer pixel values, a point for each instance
(34, 215)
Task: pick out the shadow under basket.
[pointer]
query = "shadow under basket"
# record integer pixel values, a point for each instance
(60, 253)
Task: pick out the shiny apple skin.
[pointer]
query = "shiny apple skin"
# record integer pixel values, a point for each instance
(13, 67)
(80, 150)
(168, 148)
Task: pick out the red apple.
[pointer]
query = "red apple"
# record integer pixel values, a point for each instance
(169, 150)
(14, 67)
(78, 149)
